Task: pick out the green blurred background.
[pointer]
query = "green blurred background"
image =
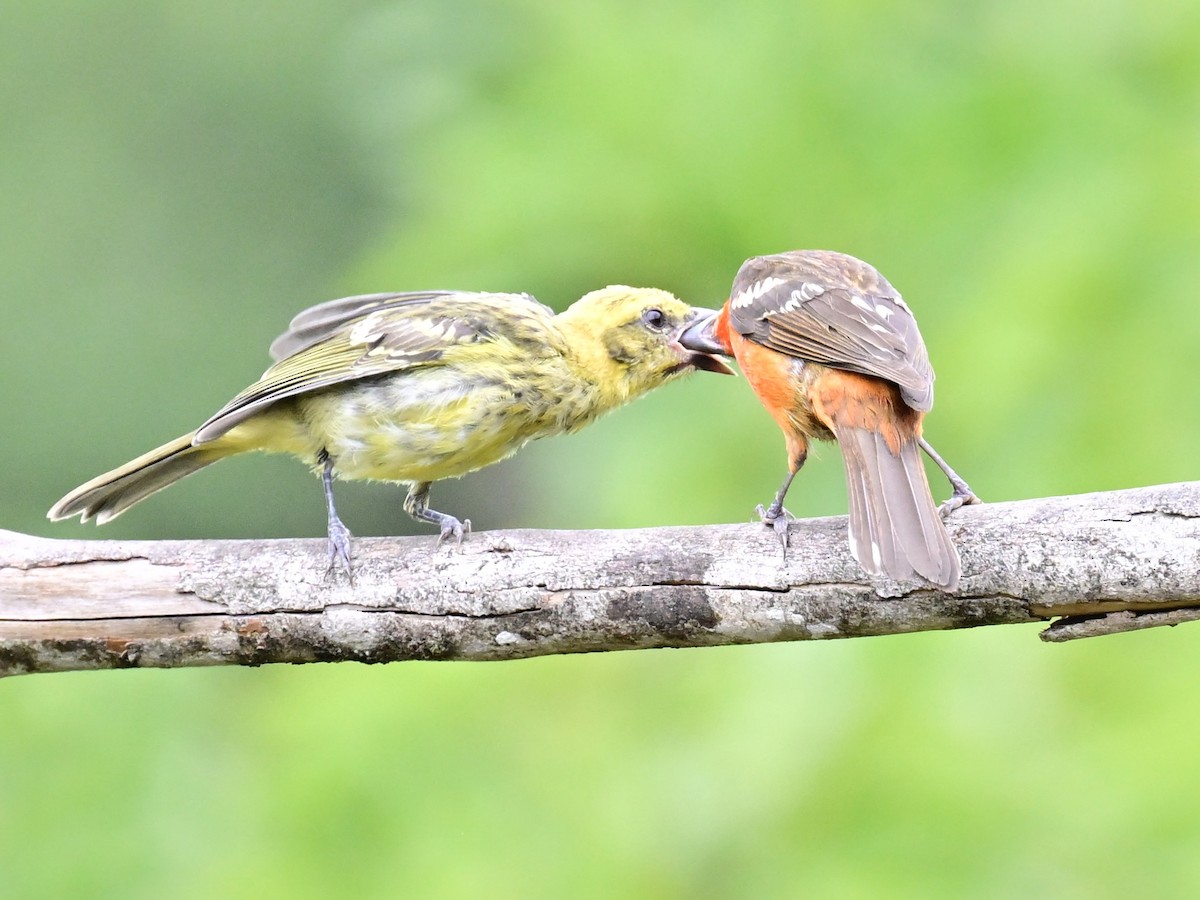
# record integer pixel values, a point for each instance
(177, 179)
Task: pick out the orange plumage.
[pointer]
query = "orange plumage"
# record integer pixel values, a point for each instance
(833, 353)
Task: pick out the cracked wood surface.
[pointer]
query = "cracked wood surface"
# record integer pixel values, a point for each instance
(1096, 563)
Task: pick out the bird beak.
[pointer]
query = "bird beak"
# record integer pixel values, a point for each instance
(698, 340)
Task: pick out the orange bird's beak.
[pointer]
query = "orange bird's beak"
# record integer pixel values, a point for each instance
(698, 338)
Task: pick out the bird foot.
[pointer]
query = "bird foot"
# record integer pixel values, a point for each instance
(777, 519)
(339, 549)
(962, 496)
(452, 529)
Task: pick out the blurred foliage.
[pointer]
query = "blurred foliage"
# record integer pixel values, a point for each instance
(176, 180)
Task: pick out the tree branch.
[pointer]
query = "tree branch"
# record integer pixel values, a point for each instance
(1099, 563)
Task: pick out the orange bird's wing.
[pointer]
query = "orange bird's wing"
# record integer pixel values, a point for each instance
(830, 308)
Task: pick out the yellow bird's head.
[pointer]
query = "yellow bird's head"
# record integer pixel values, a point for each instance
(628, 338)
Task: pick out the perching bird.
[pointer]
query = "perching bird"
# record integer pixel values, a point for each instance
(418, 387)
(833, 352)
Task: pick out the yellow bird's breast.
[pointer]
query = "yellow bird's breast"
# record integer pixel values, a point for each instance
(438, 422)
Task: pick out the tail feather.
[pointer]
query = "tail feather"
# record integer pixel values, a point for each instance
(895, 527)
(107, 496)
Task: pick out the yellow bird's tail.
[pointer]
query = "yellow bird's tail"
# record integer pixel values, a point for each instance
(107, 496)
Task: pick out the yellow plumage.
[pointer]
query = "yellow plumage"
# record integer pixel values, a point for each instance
(415, 388)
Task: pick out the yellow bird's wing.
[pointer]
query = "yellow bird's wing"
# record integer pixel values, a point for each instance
(360, 337)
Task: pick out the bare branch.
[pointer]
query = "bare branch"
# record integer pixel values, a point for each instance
(1104, 562)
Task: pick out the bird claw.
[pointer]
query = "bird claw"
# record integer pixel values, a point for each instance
(339, 549)
(452, 529)
(963, 497)
(777, 520)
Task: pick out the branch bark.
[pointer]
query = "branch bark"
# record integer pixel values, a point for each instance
(1098, 563)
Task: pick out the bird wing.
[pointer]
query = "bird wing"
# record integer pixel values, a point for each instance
(323, 320)
(360, 337)
(833, 309)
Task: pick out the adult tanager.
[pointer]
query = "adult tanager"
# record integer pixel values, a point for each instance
(418, 387)
(833, 352)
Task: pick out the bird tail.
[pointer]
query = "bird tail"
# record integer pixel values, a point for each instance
(895, 527)
(107, 496)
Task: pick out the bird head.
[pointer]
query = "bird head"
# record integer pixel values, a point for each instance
(630, 337)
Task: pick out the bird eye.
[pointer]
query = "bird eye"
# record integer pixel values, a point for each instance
(655, 319)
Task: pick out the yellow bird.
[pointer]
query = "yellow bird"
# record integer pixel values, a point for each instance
(418, 387)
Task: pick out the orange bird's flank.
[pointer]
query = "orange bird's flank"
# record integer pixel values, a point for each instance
(834, 353)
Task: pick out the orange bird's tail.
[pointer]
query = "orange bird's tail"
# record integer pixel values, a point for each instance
(895, 527)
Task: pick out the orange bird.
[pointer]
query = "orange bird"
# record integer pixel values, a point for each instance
(834, 353)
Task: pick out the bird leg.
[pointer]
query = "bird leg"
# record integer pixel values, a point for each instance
(775, 515)
(416, 504)
(339, 534)
(963, 495)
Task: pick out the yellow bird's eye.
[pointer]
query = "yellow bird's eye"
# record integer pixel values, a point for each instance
(655, 319)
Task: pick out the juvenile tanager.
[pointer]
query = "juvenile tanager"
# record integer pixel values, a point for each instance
(417, 387)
